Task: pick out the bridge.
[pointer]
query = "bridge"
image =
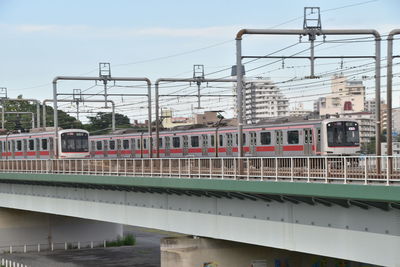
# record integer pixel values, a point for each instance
(341, 207)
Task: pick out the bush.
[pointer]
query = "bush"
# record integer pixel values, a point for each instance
(128, 240)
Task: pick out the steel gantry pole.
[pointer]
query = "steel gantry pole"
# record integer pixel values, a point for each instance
(89, 101)
(190, 80)
(313, 32)
(389, 88)
(80, 78)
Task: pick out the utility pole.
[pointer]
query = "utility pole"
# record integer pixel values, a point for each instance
(198, 76)
(105, 75)
(77, 97)
(3, 96)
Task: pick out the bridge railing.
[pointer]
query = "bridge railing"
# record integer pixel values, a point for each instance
(361, 169)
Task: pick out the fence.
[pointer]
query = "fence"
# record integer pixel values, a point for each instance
(361, 169)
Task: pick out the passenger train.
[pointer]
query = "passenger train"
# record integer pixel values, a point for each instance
(304, 138)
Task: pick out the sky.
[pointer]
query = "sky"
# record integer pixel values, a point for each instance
(43, 39)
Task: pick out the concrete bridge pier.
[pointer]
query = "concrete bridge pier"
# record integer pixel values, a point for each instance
(19, 228)
(208, 252)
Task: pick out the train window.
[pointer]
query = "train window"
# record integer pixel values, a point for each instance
(99, 145)
(9, 146)
(160, 144)
(212, 140)
(112, 145)
(176, 142)
(221, 140)
(244, 139)
(293, 137)
(44, 144)
(19, 145)
(125, 144)
(31, 144)
(265, 138)
(236, 138)
(144, 143)
(194, 140)
(139, 143)
(319, 135)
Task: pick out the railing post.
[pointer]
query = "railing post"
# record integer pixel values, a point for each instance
(38, 247)
(262, 169)
(125, 168)
(52, 246)
(276, 169)
(291, 169)
(345, 170)
(142, 167)
(170, 167)
(79, 245)
(65, 246)
(11, 249)
(248, 169)
(189, 169)
(25, 248)
(104, 243)
(210, 168)
(222, 168)
(151, 167)
(179, 167)
(91, 244)
(388, 165)
(117, 166)
(199, 168)
(308, 169)
(326, 169)
(366, 170)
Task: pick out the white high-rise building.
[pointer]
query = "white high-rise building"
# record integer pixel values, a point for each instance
(263, 100)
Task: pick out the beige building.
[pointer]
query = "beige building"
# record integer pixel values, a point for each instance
(346, 96)
(299, 111)
(396, 120)
(208, 118)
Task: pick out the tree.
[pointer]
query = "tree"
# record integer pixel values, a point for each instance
(101, 123)
(22, 122)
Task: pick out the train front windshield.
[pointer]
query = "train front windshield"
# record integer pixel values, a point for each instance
(343, 133)
(74, 142)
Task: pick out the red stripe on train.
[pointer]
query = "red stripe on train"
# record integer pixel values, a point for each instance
(265, 148)
(293, 148)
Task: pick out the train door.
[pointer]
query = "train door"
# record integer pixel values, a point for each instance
(307, 141)
(119, 147)
(1, 149)
(318, 139)
(25, 148)
(51, 147)
(167, 146)
(253, 143)
(204, 147)
(185, 145)
(105, 148)
(92, 149)
(229, 144)
(278, 143)
(37, 147)
(133, 147)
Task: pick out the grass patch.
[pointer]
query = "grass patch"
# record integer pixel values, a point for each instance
(128, 240)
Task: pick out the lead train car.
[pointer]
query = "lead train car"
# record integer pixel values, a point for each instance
(72, 143)
(305, 138)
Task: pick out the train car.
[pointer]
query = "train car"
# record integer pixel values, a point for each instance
(301, 138)
(72, 143)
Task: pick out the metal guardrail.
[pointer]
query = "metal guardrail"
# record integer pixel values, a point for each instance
(361, 169)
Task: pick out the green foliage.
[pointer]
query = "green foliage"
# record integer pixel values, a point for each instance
(101, 123)
(22, 122)
(128, 240)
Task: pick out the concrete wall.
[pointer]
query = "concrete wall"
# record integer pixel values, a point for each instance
(206, 252)
(18, 227)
